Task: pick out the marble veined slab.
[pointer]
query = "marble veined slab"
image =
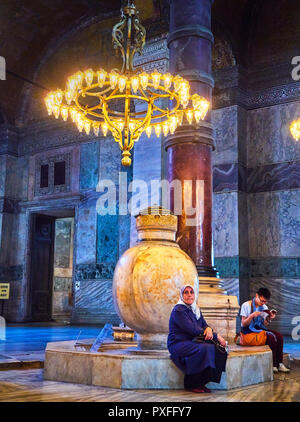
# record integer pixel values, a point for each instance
(135, 369)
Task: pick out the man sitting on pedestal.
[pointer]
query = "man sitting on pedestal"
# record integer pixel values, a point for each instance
(254, 331)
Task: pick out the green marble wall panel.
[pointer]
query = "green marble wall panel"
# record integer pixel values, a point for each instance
(107, 239)
(89, 165)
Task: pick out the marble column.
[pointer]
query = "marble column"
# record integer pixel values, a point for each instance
(189, 149)
(189, 155)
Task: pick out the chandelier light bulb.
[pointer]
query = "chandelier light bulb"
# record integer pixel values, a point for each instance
(87, 127)
(89, 76)
(64, 113)
(58, 97)
(96, 128)
(49, 105)
(73, 113)
(157, 129)
(135, 84)
(190, 116)
(121, 125)
(177, 82)
(122, 83)
(104, 128)
(149, 131)
(168, 80)
(197, 114)
(56, 111)
(173, 122)
(69, 97)
(156, 79)
(113, 79)
(165, 128)
(79, 76)
(144, 79)
(72, 84)
(101, 75)
(80, 123)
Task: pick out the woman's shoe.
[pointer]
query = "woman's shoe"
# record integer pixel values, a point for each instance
(283, 368)
(275, 369)
(207, 390)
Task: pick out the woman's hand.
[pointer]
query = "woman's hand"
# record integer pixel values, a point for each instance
(221, 340)
(208, 333)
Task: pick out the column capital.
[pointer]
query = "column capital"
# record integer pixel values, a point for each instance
(195, 75)
(202, 134)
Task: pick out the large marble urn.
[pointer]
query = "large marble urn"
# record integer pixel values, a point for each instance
(148, 277)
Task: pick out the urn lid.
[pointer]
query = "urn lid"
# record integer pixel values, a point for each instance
(156, 219)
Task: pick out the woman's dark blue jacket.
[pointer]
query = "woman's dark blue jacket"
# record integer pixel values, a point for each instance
(189, 356)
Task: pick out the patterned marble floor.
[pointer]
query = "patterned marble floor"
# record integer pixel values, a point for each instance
(29, 386)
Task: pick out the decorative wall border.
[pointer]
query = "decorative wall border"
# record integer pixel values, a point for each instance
(101, 271)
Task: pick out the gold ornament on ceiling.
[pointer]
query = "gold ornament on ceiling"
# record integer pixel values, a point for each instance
(102, 101)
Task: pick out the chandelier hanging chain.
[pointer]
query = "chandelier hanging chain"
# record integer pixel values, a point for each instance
(98, 99)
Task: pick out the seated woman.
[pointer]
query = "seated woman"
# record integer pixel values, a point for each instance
(201, 362)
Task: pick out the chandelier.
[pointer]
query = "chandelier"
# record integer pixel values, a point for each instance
(96, 100)
(295, 129)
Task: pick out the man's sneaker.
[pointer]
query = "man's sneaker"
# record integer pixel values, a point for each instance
(282, 368)
(275, 369)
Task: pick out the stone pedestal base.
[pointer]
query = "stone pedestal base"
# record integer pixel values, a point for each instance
(219, 309)
(120, 366)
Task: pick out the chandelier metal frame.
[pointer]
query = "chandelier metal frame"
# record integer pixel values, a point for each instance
(93, 98)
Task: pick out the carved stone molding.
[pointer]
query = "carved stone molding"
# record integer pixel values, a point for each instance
(202, 133)
(50, 161)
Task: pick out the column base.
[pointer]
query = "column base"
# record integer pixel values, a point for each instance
(204, 271)
(219, 309)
